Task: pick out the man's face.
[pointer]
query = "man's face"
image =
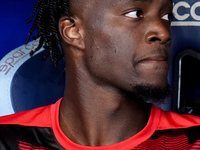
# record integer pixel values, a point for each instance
(127, 42)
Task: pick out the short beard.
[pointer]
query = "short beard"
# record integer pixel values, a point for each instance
(153, 94)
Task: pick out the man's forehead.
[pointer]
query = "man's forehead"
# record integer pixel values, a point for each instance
(92, 5)
(113, 1)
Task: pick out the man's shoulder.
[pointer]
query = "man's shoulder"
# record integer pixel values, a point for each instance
(174, 131)
(32, 129)
(173, 120)
(36, 117)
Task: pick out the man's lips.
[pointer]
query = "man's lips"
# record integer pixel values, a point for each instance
(153, 58)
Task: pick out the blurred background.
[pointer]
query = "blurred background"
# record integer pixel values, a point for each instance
(13, 27)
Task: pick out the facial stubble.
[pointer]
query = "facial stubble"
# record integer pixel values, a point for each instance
(151, 93)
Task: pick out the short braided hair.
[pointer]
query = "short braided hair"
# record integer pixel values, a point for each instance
(45, 17)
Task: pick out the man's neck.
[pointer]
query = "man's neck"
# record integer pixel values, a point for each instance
(101, 116)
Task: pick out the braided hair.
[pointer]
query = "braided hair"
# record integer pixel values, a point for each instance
(45, 17)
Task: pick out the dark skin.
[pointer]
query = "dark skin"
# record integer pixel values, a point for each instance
(111, 47)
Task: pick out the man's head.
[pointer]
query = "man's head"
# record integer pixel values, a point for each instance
(124, 44)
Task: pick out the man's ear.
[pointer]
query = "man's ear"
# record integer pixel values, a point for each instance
(70, 32)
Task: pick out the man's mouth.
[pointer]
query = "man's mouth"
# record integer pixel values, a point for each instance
(154, 58)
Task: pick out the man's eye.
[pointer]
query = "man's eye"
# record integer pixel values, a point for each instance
(134, 14)
(168, 17)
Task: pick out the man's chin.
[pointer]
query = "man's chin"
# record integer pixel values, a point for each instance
(150, 93)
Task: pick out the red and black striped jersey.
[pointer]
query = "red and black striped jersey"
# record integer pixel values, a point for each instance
(39, 129)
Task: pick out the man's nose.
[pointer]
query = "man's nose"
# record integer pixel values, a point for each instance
(158, 32)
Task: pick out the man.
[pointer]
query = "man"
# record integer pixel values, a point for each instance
(117, 57)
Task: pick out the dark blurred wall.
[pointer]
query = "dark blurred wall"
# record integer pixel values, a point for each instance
(13, 27)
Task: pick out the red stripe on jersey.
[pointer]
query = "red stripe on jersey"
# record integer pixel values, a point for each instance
(28, 146)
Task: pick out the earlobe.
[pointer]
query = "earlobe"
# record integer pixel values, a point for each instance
(70, 33)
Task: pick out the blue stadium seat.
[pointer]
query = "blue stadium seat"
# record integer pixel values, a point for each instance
(28, 82)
